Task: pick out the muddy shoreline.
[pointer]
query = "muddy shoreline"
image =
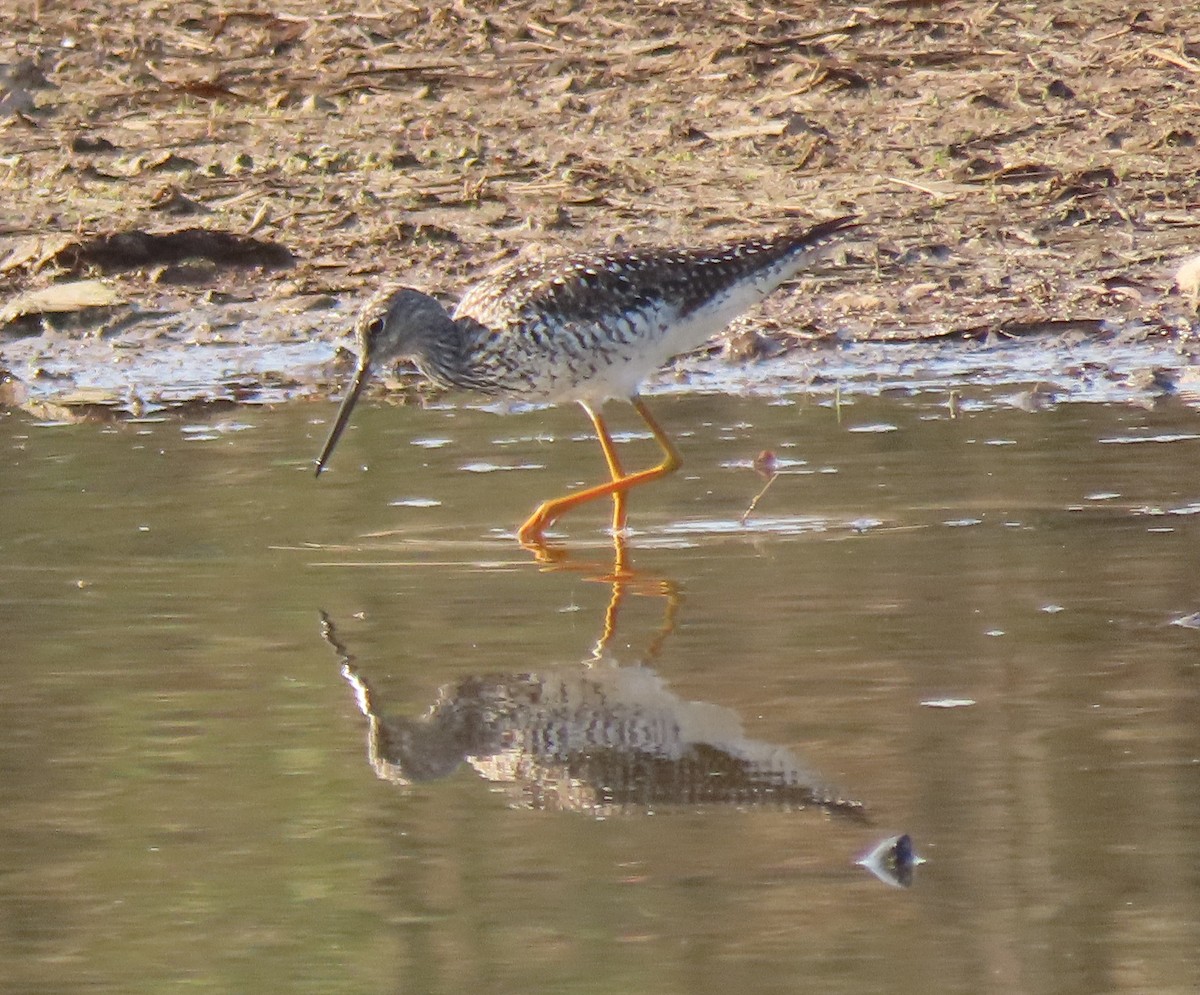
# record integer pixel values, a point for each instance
(193, 214)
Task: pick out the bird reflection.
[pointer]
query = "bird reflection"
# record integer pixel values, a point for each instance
(598, 737)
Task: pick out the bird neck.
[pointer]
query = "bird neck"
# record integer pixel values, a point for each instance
(435, 345)
(447, 356)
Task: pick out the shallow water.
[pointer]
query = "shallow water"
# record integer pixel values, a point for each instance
(964, 616)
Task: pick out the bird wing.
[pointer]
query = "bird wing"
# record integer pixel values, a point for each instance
(592, 289)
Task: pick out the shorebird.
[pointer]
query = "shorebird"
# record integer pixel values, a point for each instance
(586, 328)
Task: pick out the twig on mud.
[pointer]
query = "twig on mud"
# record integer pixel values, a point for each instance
(1166, 55)
(1015, 328)
(932, 191)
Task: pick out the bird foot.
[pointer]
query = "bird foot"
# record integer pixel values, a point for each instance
(532, 532)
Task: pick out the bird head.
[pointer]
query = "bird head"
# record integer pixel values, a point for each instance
(402, 331)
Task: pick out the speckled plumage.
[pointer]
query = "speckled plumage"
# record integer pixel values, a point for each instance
(583, 328)
(591, 327)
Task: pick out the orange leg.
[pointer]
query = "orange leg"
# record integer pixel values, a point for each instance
(549, 511)
(615, 471)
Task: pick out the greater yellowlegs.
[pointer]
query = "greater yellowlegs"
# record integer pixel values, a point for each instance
(584, 328)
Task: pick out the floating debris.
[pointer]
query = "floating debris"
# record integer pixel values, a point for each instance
(766, 465)
(892, 861)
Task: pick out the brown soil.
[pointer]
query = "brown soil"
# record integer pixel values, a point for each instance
(1021, 167)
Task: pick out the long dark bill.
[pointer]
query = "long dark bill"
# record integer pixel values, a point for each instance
(343, 415)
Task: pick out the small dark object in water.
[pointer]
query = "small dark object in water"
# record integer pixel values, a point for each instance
(893, 861)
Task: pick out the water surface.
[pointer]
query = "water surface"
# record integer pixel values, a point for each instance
(960, 616)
